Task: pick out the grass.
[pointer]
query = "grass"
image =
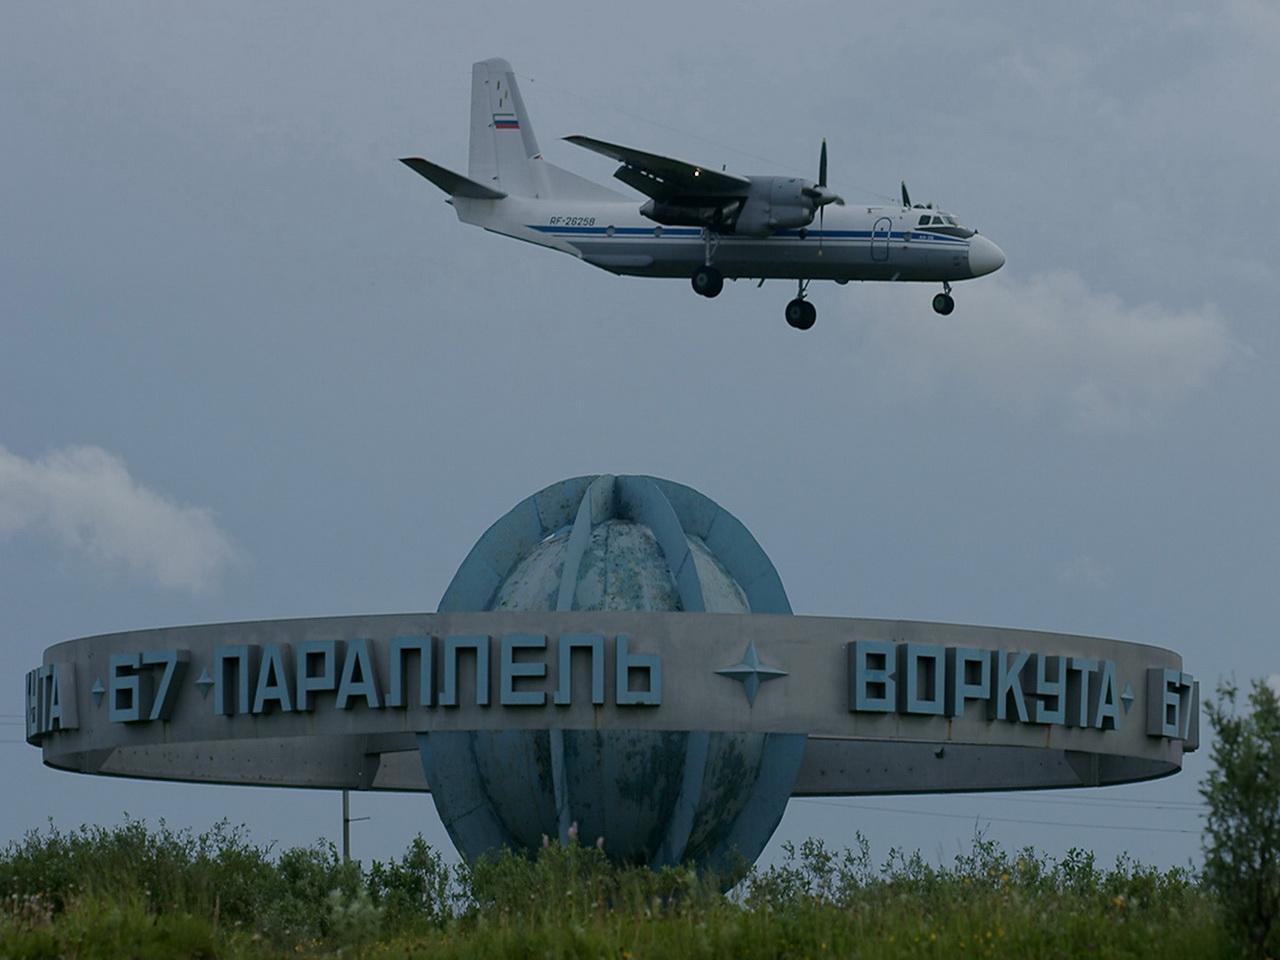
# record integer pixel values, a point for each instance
(136, 891)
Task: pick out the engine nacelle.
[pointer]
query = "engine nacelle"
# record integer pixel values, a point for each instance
(677, 215)
(774, 203)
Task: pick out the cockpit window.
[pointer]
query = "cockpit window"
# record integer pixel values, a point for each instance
(943, 223)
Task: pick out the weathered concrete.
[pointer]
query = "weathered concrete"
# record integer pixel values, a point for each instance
(617, 653)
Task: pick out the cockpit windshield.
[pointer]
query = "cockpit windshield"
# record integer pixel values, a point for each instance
(943, 223)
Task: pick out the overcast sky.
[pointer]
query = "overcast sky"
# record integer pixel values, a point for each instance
(252, 367)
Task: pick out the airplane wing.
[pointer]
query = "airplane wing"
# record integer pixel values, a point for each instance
(665, 179)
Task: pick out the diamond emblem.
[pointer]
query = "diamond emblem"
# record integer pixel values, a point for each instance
(751, 672)
(1127, 697)
(204, 682)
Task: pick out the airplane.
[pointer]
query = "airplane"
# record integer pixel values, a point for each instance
(699, 223)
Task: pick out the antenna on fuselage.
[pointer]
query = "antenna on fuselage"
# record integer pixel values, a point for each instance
(906, 200)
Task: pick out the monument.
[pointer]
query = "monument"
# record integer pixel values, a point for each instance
(615, 659)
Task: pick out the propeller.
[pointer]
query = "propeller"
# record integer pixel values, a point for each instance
(819, 195)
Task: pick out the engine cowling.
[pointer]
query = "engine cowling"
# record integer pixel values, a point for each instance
(680, 215)
(775, 203)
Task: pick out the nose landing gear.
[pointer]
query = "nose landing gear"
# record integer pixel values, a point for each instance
(800, 313)
(944, 303)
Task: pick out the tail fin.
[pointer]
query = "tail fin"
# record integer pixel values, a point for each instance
(502, 140)
(504, 152)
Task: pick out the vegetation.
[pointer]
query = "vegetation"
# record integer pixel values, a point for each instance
(1242, 830)
(136, 891)
(132, 891)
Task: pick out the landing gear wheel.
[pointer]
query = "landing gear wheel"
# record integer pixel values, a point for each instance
(801, 314)
(943, 303)
(708, 281)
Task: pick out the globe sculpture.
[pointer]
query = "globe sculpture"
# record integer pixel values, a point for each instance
(600, 670)
(708, 797)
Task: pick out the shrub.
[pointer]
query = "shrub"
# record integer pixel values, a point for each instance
(415, 891)
(165, 869)
(310, 889)
(1242, 830)
(138, 891)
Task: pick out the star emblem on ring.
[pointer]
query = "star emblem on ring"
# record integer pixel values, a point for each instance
(751, 672)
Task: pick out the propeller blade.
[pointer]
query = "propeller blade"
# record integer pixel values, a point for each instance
(906, 197)
(820, 196)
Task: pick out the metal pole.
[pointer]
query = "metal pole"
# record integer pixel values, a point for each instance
(346, 826)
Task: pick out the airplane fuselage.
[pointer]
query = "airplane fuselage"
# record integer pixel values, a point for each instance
(697, 223)
(852, 243)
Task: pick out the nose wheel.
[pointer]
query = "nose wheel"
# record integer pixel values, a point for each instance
(707, 281)
(944, 303)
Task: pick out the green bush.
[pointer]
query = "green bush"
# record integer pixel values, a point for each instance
(110, 928)
(218, 870)
(1242, 829)
(416, 891)
(137, 891)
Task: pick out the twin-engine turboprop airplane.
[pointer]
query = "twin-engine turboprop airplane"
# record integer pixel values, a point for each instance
(698, 222)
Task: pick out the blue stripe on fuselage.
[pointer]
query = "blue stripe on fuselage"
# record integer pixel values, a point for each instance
(694, 232)
(617, 231)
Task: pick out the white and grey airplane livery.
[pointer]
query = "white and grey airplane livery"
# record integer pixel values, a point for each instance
(699, 223)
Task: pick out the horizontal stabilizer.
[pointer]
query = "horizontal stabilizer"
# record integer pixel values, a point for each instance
(454, 184)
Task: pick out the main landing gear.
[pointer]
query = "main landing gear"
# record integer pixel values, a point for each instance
(944, 303)
(708, 281)
(800, 313)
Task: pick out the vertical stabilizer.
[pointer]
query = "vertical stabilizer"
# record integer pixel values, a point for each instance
(504, 152)
(502, 140)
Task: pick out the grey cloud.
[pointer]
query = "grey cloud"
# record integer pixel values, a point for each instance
(85, 499)
(1051, 346)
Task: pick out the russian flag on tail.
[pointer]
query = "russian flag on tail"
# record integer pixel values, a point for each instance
(505, 121)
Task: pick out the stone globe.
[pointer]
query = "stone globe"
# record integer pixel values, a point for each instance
(658, 798)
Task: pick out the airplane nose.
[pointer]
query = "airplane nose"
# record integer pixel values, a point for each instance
(984, 256)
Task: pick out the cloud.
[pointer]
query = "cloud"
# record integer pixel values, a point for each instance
(1050, 346)
(84, 498)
